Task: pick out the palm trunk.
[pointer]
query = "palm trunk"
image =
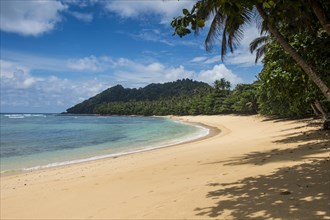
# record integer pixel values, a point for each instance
(326, 121)
(316, 113)
(321, 110)
(321, 15)
(295, 55)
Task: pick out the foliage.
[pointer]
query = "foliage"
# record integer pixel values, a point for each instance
(284, 89)
(183, 97)
(180, 97)
(283, 20)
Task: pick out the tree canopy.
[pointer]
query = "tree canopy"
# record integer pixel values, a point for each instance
(281, 19)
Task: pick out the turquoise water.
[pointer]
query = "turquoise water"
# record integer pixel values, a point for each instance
(34, 141)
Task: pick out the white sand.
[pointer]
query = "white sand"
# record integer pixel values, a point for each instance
(254, 167)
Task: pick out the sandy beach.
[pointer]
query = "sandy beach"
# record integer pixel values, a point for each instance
(253, 167)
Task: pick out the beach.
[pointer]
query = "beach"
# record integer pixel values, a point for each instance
(248, 167)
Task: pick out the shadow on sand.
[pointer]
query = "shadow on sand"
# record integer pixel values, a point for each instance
(308, 144)
(298, 192)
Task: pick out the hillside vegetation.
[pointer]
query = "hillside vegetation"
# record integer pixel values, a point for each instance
(182, 97)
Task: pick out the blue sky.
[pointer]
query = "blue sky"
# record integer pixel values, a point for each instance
(55, 54)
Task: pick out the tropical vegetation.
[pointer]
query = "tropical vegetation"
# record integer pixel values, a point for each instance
(294, 44)
(182, 97)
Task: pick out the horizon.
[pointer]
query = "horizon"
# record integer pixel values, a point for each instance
(84, 100)
(72, 50)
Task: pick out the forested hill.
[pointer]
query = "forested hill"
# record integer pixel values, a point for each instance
(154, 99)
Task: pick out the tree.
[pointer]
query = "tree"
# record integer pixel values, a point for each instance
(283, 89)
(229, 20)
(222, 85)
(294, 54)
(321, 14)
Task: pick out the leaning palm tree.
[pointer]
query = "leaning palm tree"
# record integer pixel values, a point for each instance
(228, 21)
(321, 14)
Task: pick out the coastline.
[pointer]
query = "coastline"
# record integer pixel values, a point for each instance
(211, 131)
(231, 174)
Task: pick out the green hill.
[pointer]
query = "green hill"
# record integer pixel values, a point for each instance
(180, 97)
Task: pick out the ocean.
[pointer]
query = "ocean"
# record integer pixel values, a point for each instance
(37, 141)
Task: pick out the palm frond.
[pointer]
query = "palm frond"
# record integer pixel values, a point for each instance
(259, 45)
(260, 52)
(257, 42)
(214, 31)
(224, 43)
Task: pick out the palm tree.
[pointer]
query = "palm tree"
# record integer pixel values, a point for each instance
(222, 85)
(321, 14)
(293, 53)
(229, 19)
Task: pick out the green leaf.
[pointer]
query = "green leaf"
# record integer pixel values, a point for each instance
(185, 11)
(266, 5)
(201, 23)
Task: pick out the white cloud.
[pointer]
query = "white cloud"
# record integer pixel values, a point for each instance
(215, 59)
(7, 69)
(91, 63)
(86, 17)
(135, 74)
(218, 72)
(81, 3)
(158, 36)
(153, 35)
(242, 56)
(19, 80)
(20, 89)
(198, 59)
(35, 62)
(30, 17)
(133, 9)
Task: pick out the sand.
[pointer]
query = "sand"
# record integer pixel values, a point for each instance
(255, 167)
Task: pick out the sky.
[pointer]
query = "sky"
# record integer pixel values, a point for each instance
(57, 53)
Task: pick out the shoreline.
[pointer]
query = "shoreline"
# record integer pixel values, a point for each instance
(255, 168)
(212, 131)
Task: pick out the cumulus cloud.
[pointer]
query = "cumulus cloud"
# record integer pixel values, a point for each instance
(7, 69)
(20, 89)
(134, 74)
(30, 17)
(218, 72)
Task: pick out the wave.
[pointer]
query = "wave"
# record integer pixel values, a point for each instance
(15, 116)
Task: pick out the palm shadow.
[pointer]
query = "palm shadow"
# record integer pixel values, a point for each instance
(299, 192)
(309, 145)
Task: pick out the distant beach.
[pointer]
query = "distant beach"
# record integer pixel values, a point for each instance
(255, 167)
